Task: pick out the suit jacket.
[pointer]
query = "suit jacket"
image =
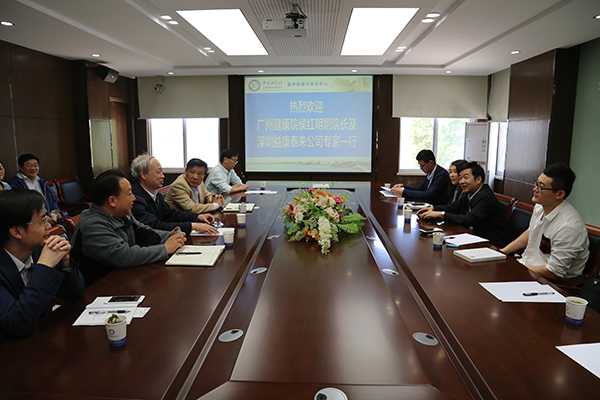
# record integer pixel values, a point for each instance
(434, 193)
(47, 191)
(181, 197)
(483, 213)
(159, 216)
(21, 306)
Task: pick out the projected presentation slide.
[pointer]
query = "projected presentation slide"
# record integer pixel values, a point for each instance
(308, 123)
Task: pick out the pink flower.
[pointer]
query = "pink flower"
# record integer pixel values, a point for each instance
(338, 200)
(310, 190)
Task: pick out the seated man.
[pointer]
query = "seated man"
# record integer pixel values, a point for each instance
(108, 236)
(150, 208)
(222, 178)
(188, 193)
(27, 178)
(434, 189)
(33, 267)
(556, 243)
(478, 210)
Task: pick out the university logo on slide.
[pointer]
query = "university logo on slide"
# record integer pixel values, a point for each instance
(254, 85)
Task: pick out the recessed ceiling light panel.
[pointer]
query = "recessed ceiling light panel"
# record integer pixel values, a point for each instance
(515, 52)
(227, 29)
(371, 31)
(6, 23)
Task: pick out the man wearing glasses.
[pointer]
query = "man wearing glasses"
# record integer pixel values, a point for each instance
(34, 267)
(434, 189)
(222, 178)
(188, 193)
(556, 243)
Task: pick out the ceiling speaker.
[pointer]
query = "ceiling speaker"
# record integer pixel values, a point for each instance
(107, 74)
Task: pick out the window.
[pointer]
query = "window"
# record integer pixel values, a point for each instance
(174, 141)
(445, 136)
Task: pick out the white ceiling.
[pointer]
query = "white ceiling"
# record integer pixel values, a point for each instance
(472, 37)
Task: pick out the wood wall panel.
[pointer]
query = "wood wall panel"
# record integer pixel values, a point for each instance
(521, 190)
(526, 148)
(531, 88)
(5, 107)
(7, 148)
(387, 130)
(41, 84)
(52, 141)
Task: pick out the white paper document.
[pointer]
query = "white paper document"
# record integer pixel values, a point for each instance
(221, 230)
(235, 207)
(97, 311)
(385, 193)
(586, 355)
(464, 238)
(258, 191)
(387, 189)
(523, 292)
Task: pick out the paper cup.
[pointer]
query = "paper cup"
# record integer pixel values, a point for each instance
(116, 332)
(407, 213)
(242, 208)
(438, 240)
(575, 310)
(228, 238)
(263, 185)
(400, 201)
(241, 219)
(387, 185)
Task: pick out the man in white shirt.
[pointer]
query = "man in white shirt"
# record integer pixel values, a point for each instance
(556, 243)
(222, 178)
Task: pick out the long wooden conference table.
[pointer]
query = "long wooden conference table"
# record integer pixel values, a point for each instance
(310, 322)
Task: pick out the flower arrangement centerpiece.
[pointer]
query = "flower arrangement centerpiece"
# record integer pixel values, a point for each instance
(318, 215)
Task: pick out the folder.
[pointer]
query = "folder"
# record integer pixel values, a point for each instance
(235, 207)
(479, 255)
(196, 256)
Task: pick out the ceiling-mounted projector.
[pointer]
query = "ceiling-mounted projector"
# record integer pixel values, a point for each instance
(284, 27)
(290, 26)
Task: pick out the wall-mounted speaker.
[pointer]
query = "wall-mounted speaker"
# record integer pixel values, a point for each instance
(106, 74)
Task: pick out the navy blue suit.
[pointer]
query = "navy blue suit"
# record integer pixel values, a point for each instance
(22, 306)
(434, 193)
(160, 216)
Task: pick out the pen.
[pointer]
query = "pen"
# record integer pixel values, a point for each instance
(452, 245)
(536, 294)
(183, 253)
(110, 312)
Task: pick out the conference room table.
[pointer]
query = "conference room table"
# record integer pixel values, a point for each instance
(309, 321)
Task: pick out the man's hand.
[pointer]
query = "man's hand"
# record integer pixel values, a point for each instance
(206, 218)
(56, 248)
(175, 242)
(398, 189)
(424, 210)
(429, 214)
(219, 199)
(238, 187)
(199, 227)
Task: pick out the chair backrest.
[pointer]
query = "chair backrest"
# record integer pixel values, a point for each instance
(592, 266)
(508, 203)
(70, 189)
(520, 217)
(70, 223)
(163, 190)
(58, 230)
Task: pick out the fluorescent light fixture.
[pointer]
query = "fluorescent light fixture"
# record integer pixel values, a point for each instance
(260, 71)
(515, 52)
(354, 71)
(227, 29)
(95, 55)
(173, 22)
(427, 20)
(597, 16)
(7, 23)
(371, 31)
(166, 17)
(171, 73)
(433, 15)
(448, 72)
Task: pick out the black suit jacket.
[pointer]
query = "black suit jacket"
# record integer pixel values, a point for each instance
(483, 213)
(434, 193)
(159, 216)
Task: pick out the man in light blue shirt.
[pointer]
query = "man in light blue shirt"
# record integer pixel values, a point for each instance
(222, 178)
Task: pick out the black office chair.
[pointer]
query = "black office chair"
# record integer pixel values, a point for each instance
(520, 217)
(70, 195)
(592, 266)
(508, 204)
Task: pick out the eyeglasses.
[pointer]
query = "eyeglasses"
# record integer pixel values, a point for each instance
(536, 185)
(236, 161)
(45, 220)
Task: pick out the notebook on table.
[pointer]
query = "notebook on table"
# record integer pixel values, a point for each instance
(235, 207)
(479, 255)
(196, 256)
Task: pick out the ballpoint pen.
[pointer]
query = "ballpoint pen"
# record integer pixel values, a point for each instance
(110, 312)
(183, 253)
(537, 294)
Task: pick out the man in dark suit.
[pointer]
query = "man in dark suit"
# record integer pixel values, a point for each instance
(434, 189)
(477, 208)
(33, 268)
(149, 206)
